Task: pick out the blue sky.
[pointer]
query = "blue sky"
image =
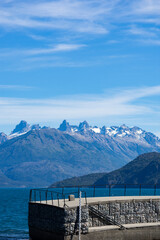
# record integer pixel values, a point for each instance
(80, 60)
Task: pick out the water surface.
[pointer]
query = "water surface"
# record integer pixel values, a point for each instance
(14, 206)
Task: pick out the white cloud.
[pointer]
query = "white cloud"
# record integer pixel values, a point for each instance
(57, 48)
(78, 15)
(39, 51)
(78, 107)
(54, 19)
(144, 32)
(147, 7)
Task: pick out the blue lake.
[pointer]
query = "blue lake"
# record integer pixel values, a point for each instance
(14, 207)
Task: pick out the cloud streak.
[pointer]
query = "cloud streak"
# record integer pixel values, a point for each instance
(41, 51)
(78, 107)
(15, 87)
(76, 22)
(95, 17)
(80, 16)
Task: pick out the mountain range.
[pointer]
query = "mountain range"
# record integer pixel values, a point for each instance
(145, 169)
(34, 156)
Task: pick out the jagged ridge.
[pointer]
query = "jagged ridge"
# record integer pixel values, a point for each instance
(39, 156)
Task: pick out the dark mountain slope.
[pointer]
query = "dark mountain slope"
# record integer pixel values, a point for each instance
(145, 169)
(86, 180)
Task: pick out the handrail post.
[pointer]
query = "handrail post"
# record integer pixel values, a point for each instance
(140, 189)
(52, 197)
(30, 196)
(58, 199)
(155, 188)
(64, 199)
(86, 198)
(109, 190)
(46, 196)
(35, 195)
(94, 192)
(40, 196)
(125, 190)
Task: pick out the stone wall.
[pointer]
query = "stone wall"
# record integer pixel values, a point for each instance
(65, 220)
(59, 220)
(128, 212)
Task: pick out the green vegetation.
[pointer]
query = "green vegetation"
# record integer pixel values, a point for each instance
(145, 169)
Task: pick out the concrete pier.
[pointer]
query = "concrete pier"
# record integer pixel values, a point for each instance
(139, 215)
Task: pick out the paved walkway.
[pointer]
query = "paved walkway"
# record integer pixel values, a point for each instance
(95, 200)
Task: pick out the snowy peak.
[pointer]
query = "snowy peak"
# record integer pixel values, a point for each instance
(64, 126)
(83, 126)
(22, 127)
(121, 132)
(96, 129)
(35, 127)
(118, 133)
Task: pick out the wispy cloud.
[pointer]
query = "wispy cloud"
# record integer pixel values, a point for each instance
(145, 35)
(144, 32)
(80, 16)
(150, 42)
(126, 103)
(15, 87)
(79, 22)
(33, 60)
(147, 7)
(40, 51)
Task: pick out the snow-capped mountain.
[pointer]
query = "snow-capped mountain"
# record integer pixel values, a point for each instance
(35, 156)
(22, 128)
(124, 132)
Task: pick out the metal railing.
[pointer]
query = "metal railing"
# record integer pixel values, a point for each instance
(104, 217)
(43, 195)
(123, 188)
(46, 196)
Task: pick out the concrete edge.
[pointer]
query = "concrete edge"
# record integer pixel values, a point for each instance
(127, 226)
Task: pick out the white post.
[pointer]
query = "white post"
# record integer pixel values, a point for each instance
(80, 215)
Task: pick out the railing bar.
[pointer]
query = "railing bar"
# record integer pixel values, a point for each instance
(125, 190)
(52, 197)
(109, 190)
(155, 188)
(140, 190)
(46, 196)
(94, 191)
(34, 192)
(40, 196)
(35, 196)
(58, 199)
(30, 196)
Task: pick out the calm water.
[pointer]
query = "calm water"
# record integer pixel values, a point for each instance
(14, 208)
(13, 213)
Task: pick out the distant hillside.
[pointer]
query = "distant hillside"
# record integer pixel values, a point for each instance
(86, 180)
(33, 156)
(145, 169)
